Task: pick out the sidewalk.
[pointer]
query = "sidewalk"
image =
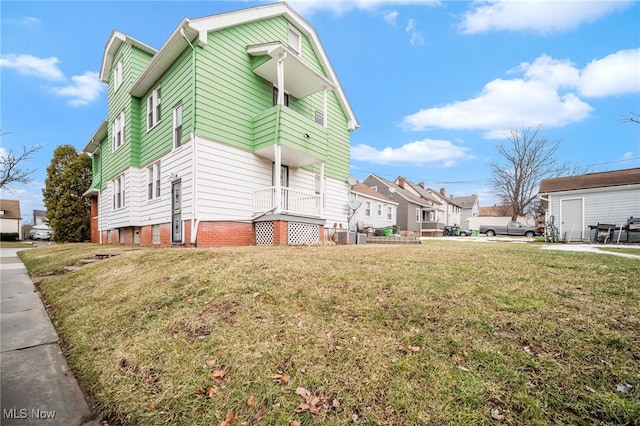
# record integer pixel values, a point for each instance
(37, 387)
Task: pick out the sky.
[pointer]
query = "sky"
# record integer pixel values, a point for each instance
(435, 85)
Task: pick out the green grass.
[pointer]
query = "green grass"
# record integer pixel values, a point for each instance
(437, 333)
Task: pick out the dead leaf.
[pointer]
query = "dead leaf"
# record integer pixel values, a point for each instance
(252, 400)
(295, 423)
(496, 415)
(312, 403)
(335, 403)
(211, 362)
(218, 375)
(213, 390)
(280, 378)
(258, 416)
(414, 348)
(152, 406)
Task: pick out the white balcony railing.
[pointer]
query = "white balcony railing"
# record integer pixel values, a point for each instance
(291, 202)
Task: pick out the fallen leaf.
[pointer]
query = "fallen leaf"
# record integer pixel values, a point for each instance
(229, 416)
(294, 423)
(252, 400)
(213, 390)
(258, 416)
(282, 379)
(151, 406)
(496, 415)
(211, 362)
(335, 403)
(414, 348)
(218, 375)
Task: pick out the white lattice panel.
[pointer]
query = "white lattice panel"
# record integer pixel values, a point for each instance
(264, 233)
(302, 233)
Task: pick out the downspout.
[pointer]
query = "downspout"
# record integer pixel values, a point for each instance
(277, 150)
(194, 162)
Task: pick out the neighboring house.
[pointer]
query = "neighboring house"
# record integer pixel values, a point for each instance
(235, 132)
(577, 202)
(497, 216)
(452, 210)
(40, 218)
(374, 210)
(10, 218)
(470, 208)
(415, 215)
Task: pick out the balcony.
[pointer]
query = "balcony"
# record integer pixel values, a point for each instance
(292, 202)
(303, 141)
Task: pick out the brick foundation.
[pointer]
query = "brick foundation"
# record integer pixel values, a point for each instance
(225, 234)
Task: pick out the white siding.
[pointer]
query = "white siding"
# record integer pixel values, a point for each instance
(603, 205)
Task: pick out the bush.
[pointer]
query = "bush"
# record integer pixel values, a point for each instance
(9, 236)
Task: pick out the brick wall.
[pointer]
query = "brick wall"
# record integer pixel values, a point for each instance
(225, 234)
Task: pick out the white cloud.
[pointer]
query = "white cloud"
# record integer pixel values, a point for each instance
(418, 152)
(339, 7)
(416, 38)
(542, 16)
(30, 65)
(548, 93)
(82, 90)
(391, 17)
(616, 74)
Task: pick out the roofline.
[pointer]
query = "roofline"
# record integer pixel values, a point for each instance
(200, 27)
(382, 180)
(386, 200)
(94, 142)
(113, 44)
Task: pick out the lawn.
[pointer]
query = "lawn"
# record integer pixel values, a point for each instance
(438, 333)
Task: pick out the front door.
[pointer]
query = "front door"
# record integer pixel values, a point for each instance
(176, 212)
(571, 213)
(284, 185)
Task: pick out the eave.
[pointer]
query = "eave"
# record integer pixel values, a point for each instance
(98, 136)
(112, 46)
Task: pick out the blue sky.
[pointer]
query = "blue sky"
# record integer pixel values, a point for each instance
(435, 85)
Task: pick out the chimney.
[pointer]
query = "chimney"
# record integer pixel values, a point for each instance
(401, 182)
(421, 184)
(442, 191)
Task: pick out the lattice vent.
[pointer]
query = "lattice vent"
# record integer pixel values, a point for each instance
(302, 233)
(264, 233)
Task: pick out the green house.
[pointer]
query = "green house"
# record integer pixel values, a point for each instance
(235, 132)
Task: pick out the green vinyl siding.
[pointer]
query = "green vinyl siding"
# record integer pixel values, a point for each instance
(231, 97)
(176, 86)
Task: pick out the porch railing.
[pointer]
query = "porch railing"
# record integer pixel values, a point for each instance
(291, 201)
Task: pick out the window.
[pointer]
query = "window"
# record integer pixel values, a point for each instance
(155, 234)
(320, 118)
(153, 108)
(117, 133)
(294, 40)
(379, 210)
(117, 76)
(177, 126)
(275, 97)
(367, 208)
(389, 213)
(118, 192)
(418, 215)
(153, 184)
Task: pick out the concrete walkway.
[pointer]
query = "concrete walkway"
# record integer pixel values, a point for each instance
(37, 387)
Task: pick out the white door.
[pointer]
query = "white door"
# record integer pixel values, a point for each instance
(176, 212)
(572, 226)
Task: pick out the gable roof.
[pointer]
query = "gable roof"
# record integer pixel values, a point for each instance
(467, 202)
(591, 180)
(404, 193)
(11, 209)
(362, 189)
(446, 199)
(196, 30)
(422, 191)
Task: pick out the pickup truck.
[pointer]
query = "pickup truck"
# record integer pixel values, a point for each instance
(512, 228)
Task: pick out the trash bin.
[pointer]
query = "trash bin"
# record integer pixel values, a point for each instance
(475, 233)
(455, 231)
(388, 232)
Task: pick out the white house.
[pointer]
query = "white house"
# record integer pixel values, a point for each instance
(371, 209)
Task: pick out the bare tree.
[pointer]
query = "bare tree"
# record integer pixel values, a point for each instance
(527, 158)
(12, 166)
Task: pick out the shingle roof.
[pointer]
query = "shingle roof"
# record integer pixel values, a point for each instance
(466, 202)
(363, 189)
(591, 180)
(11, 209)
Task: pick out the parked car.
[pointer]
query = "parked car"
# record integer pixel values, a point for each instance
(42, 234)
(512, 228)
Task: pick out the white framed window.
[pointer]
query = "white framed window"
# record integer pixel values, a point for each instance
(389, 213)
(155, 234)
(117, 76)
(367, 208)
(153, 108)
(118, 192)
(295, 41)
(153, 181)
(379, 210)
(177, 126)
(117, 131)
(320, 118)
